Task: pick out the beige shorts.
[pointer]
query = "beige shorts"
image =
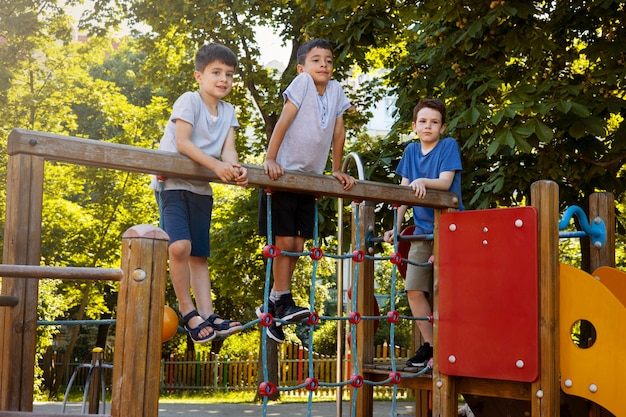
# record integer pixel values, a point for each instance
(419, 278)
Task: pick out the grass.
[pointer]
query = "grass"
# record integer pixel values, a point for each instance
(242, 397)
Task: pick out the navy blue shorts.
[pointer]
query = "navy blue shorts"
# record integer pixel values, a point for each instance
(187, 216)
(293, 214)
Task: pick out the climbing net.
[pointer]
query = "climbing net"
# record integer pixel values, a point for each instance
(267, 389)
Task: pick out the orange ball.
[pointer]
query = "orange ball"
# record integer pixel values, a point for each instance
(170, 323)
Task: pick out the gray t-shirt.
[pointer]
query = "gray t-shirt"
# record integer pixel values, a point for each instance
(306, 144)
(209, 134)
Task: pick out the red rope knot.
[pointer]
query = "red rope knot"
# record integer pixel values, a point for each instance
(354, 317)
(267, 389)
(396, 258)
(271, 251)
(358, 256)
(356, 381)
(317, 254)
(395, 377)
(266, 319)
(314, 318)
(311, 384)
(393, 317)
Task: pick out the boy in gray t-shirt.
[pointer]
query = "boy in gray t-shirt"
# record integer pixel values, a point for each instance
(311, 120)
(201, 127)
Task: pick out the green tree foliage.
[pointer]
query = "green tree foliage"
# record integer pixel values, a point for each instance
(535, 91)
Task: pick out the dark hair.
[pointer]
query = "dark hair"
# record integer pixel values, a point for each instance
(306, 48)
(212, 52)
(431, 103)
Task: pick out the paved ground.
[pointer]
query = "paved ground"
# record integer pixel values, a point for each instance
(326, 409)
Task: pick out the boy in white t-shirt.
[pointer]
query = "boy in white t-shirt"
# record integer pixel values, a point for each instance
(311, 120)
(202, 128)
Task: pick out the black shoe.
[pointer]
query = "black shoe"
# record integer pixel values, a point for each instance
(422, 356)
(270, 309)
(274, 331)
(288, 311)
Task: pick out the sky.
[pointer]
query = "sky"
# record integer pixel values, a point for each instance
(269, 43)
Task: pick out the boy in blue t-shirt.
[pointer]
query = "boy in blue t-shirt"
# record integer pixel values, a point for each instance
(430, 163)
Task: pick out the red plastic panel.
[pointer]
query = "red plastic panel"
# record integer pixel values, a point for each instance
(488, 300)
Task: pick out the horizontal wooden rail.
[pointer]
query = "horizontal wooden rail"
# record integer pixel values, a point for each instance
(24, 414)
(131, 158)
(8, 301)
(61, 272)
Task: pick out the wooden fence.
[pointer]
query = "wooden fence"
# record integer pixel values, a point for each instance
(188, 371)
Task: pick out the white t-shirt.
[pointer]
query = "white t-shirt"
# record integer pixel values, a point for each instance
(306, 144)
(209, 134)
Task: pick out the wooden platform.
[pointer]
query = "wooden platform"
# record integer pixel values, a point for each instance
(473, 386)
(380, 371)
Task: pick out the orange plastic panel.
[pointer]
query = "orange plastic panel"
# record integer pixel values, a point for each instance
(488, 301)
(597, 372)
(614, 280)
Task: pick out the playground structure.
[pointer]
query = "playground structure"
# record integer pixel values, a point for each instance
(143, 272)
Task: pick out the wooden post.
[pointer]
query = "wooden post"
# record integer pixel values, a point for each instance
(365, 303)
(545, 392)
(95, 382)
(602, 205)
(22, 245)
(137, 356)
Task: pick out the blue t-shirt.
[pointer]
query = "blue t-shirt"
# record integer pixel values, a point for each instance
(445, 156)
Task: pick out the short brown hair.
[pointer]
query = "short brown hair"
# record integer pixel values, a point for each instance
(431, 103)
(212, 52)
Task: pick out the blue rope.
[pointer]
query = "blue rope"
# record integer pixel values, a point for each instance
(353, 328)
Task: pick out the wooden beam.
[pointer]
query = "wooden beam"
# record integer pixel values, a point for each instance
(61, 272)
(545, 395)
(602, 205)
(26, 414)
(8, 301)
(134, 159)
(22, 243)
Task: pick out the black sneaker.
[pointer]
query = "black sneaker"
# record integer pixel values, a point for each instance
(274, 331)
(270, 309)
(288, 311)
(422, 356)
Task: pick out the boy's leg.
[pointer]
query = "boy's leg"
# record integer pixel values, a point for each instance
(282, 269)
(181, 281)
(283, 266)
(420, 307)
(418, 286)
(201, 286)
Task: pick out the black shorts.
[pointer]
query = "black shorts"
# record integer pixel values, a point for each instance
(292, 214)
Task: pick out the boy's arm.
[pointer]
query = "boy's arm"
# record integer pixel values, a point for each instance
(270, 166)
(224, 170)
(442, 183)
(339, 138)
(229, 154)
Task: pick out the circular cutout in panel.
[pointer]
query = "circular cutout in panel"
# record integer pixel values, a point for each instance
(583, 333)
